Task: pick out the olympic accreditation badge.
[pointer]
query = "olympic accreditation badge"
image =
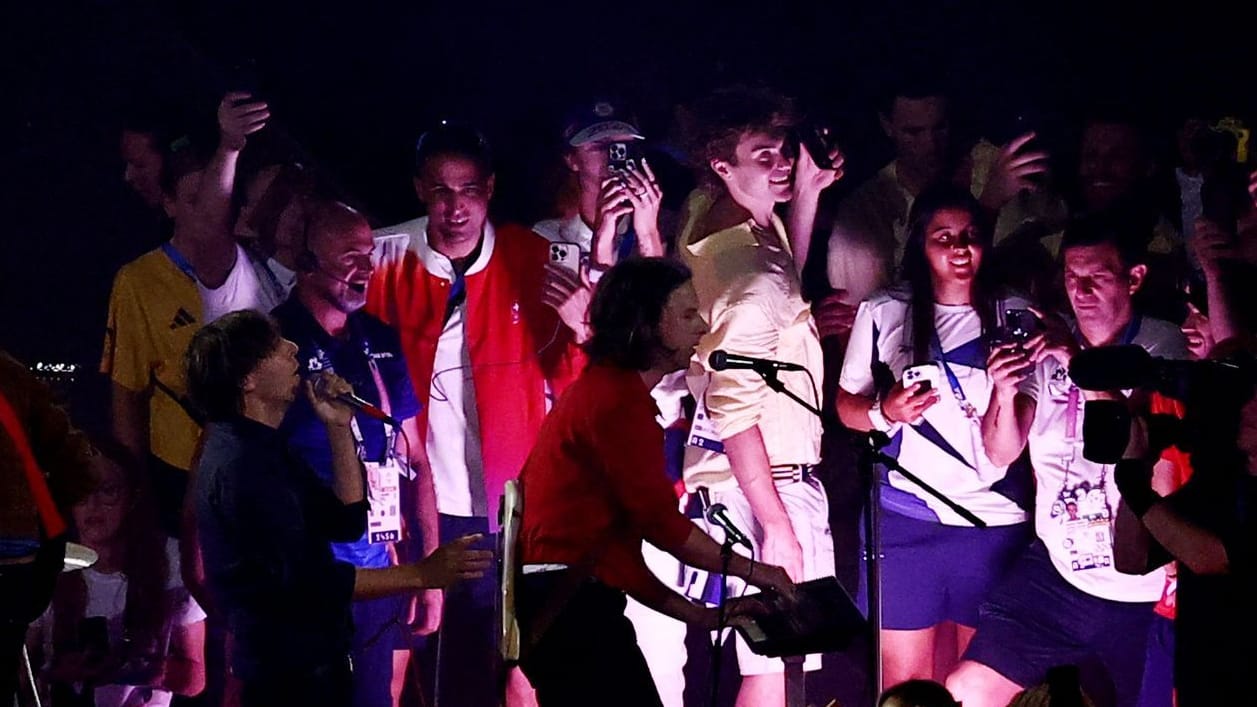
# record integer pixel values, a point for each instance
(384, 517)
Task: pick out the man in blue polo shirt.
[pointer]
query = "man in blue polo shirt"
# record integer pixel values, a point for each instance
(323, 317)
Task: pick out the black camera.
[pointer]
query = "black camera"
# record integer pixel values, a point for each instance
(1212, 392)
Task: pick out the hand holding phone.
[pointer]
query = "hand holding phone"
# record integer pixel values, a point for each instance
(926, 374)
(566, 255)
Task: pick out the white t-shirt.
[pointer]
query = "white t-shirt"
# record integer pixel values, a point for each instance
(244, 288)
(107, 597)
(1077, 499)
(453, 441)
(945, 448)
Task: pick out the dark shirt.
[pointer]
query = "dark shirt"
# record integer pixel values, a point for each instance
(596, 479)
(1217, 614)
(264, 524)
(367, 339)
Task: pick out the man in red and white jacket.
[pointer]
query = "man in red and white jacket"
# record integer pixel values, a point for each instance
(484, 354)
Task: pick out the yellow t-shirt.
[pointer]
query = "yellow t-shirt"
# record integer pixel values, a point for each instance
(154, 310)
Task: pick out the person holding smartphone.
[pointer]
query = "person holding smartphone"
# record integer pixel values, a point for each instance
(935, 326)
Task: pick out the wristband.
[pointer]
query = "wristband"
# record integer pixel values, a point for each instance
(878, 419)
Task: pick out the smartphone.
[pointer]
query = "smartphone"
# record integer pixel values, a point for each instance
(1020, 325)
(623, 157)
(816, 140)
(927, 374)
(566, 255)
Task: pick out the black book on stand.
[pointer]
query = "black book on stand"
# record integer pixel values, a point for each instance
(824, 620)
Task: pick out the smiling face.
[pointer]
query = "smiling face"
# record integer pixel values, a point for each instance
(953, 248)
(761, 170)
(457, 193)
(341, 243)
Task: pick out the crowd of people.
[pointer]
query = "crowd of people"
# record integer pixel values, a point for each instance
(313, 418)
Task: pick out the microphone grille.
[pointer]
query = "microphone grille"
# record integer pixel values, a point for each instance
(718, 360)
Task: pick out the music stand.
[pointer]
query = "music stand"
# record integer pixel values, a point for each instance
(823, 620)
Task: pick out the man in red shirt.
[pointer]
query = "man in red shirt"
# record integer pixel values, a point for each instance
(594, 488)
(484, 352)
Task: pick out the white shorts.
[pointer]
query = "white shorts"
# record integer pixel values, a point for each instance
(808, 509)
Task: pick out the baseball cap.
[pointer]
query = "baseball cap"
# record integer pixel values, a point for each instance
(597, 121)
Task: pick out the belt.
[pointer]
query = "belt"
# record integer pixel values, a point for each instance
(791, 473)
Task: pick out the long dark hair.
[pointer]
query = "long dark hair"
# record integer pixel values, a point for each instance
(916, 268)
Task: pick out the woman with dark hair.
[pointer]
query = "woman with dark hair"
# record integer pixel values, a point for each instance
(916, 370)
(594, 487)
(125, 631)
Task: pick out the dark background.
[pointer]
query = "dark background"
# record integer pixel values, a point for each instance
(354, 83)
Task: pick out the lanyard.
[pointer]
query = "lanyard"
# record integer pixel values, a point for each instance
(953, 381)
(177, 258)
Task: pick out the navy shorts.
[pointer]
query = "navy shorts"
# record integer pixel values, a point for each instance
(933, 572)
(1036, 620)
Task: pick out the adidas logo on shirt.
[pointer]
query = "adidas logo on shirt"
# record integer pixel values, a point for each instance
(182, 318)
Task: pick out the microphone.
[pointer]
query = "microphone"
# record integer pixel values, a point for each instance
(721, 360)
(357, 403)
(718, 515)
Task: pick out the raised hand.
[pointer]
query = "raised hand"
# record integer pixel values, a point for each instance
(1012, 172)
(570, 296)
(239, 116)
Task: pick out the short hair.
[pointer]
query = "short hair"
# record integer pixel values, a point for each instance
(626, 309)
(1118, 229)
(917, 693)
(453, 139)
(914, 85)
(222, 354)
(723, 117)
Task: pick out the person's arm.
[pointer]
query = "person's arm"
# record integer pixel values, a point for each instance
(1199, 549)
(129, 413)
(450, 563)
(1212, 246)
(1006, 423)
(183, 672)
(347, 471)
(213, 251)
(748, 459)
(646, 198)
(809, 181)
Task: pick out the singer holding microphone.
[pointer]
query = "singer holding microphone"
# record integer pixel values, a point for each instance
(265, 521)
(594, 487)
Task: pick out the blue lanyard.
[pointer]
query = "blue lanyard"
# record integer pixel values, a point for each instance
(952, 380)
(177, 258)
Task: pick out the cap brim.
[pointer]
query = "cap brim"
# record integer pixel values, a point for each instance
(605, 129)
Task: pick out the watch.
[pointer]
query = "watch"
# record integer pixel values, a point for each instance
(878, 420)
